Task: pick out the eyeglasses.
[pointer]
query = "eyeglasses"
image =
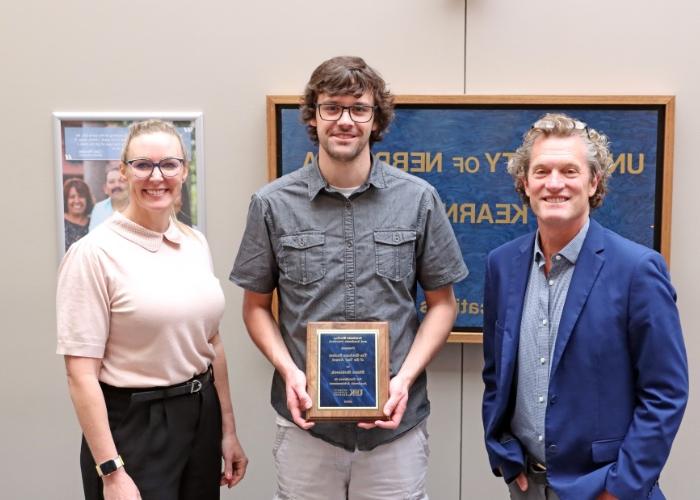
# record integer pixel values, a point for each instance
(143, 167)
(359, 113)
(549, 125)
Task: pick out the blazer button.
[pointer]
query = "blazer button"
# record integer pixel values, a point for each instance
(552, 449)
(553, 399)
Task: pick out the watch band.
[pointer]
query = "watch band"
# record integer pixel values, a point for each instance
(106, 468)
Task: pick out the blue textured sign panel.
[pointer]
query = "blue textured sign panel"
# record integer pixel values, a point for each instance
(463, 152)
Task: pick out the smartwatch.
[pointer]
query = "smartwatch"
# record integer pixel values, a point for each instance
(106, 468)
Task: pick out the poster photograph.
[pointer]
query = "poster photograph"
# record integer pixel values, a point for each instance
(461, 145)
(89, 186)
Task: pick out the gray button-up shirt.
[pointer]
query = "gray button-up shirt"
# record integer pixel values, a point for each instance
(334, 258)
(544, 302)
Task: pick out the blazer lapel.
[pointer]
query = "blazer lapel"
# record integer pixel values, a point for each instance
(517, 283)
(588, 265)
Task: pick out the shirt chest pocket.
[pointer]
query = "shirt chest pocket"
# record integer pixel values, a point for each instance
(395, 253)
(302, 257)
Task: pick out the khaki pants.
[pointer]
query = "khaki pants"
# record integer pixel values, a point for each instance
(308, 468)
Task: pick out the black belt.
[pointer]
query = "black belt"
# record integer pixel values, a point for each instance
(192, 386)
(536, 470)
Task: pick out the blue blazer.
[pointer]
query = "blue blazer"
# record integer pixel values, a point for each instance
(619, 376)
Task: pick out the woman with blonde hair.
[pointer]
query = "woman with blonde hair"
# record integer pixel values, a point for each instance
(138, 312)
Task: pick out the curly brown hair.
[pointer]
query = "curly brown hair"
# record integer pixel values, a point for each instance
(560, 125)
(347, 75)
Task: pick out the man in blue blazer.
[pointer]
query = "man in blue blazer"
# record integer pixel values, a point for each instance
(585, 372)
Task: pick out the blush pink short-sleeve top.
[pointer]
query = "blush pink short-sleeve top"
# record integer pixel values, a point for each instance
(147, 303)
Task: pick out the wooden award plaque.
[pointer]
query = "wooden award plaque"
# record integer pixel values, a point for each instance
(347, 370)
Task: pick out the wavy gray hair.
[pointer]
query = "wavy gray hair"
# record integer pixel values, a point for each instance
(560, 125)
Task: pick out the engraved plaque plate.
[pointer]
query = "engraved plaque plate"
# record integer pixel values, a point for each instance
(347, 370)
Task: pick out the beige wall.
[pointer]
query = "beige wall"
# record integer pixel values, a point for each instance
(223, 58)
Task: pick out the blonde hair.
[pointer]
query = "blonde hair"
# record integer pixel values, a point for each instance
(154, 126)
(560, 125)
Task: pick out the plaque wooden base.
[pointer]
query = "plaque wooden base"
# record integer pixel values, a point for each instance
(347, 370)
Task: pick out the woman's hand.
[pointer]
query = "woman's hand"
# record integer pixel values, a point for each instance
(91, 409)
(235, 460)
(120, 486)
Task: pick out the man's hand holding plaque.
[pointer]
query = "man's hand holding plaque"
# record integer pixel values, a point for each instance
(298, 401)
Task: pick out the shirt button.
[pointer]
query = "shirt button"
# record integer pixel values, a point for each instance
(540, 437)
(349, 285)
(541, 399)
(544, 321)
(349, 244)
(551, 282)
(543, 361)
(348, 205)
(558, 257)
(301, 241)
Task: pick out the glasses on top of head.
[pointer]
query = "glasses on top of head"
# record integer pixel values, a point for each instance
(549, 125)
(143, 167)
(359, 113)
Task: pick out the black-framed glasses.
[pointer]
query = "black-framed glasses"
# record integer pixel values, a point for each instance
(143, 167)
(359, 113)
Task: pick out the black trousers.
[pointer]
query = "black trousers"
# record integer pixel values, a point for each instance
(171, 447)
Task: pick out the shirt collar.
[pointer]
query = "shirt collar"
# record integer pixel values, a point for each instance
(150, 240)
(572, 249)
(316, 182)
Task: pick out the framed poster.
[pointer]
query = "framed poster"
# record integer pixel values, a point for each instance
(88, 184)
(461, 145)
